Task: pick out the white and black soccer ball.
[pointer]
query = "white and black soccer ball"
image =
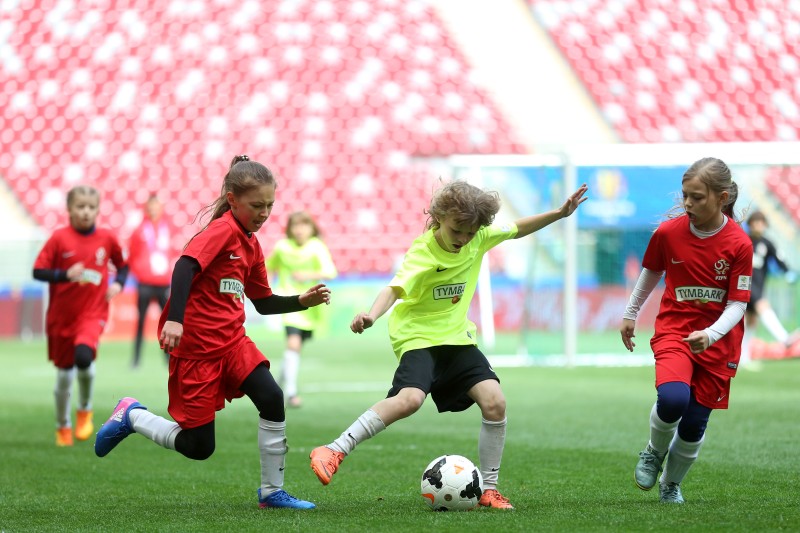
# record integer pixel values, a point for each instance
(452, 483)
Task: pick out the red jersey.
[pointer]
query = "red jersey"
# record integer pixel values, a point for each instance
(73, 302)
(150, 255)
(232, 266)
(701, 276)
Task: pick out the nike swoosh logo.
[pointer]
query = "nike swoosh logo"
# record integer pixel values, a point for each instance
(721, 397)
(236, 256)
(67, 254)
(494, 469)
(676, 262)
(440, 269)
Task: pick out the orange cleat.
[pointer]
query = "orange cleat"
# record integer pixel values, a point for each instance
(325, 462)
(493, 499)
(84, 427)
(64, 437)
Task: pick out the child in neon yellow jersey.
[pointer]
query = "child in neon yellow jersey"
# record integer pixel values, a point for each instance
(300, 258)
(431, 335)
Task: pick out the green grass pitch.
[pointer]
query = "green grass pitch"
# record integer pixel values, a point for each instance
(573, 439)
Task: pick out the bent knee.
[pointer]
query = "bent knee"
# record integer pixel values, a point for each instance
(409, 401)
(494, 408)
(202, 451)
(194, 446)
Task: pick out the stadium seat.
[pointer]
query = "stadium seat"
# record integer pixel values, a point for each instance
(719, 71)
(159, 99)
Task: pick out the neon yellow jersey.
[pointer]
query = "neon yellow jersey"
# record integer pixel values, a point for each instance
(436, 288)
(288, 257)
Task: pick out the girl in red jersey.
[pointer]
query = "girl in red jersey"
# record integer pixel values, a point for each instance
(708, 262)
(74, 261)
(203, 328)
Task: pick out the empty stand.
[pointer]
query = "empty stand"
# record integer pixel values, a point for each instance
(688, 71)
(336, 96)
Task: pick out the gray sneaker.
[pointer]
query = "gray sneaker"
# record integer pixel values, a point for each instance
(670, 493)
(646, 472)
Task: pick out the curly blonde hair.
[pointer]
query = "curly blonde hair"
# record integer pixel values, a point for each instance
(464, 203)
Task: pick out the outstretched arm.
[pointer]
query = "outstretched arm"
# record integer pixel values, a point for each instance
(528, 225)
(383, 302)
(275, 304)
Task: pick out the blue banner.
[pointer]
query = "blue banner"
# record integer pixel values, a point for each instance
(628, 197)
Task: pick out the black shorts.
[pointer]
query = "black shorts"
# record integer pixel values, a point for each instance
(304, 333)
(447, 373)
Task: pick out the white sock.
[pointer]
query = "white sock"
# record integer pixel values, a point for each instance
(490, 450)
(661, 432)
(85, 387)
(156, 428)
(272, 447)
(289, 371)
(62, 393)
(366, 426)
(746, 341)
(682, 456)
(773, 325)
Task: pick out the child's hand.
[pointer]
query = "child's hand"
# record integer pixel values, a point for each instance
(361, 322)
(171, 335)
(574, 201)
(318, 294)
(75, 272)
(698, 341)
(627, 329)
(113, 289)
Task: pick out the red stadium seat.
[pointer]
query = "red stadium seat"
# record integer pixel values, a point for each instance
(162, 102)
(739, 55)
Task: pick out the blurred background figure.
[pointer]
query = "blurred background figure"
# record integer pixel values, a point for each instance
(297, 260)
(150, 261)
(764, 253)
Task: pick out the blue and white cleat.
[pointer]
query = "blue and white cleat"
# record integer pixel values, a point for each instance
(670, 493)
(282, 500)
(646, 472)
(117, 427)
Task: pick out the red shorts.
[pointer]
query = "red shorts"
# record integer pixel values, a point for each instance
(674, 363)
(61, 348)
(198, 388)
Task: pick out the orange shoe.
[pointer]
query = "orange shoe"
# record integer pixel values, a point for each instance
(325, 462)
(84, 427)
(495, 500)
(64, 437)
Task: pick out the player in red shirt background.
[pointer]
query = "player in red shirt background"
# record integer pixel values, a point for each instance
(150, 256)
(211, 358)
(74, 261)
(707, 260)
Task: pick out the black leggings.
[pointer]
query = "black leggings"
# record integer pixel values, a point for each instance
(145, 295)
(199, 443)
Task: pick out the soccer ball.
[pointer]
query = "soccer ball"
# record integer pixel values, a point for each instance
(452, 483)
